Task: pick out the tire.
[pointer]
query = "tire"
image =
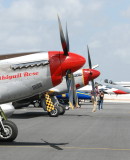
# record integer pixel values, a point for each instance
(62, 109)
(55, 112)
(43, 104)
(12, 131)
(37, 104)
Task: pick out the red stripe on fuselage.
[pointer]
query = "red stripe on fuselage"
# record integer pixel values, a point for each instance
(120, 92)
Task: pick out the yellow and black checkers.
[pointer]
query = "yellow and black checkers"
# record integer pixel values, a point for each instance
(49, 103)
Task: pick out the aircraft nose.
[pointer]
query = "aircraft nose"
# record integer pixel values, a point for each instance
(94, 74)
(89, 74)
(72, 62)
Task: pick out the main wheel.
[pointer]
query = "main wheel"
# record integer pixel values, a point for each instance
(11, 131)
(55, 112)
(62, 109)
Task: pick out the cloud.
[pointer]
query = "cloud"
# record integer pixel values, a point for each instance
(126, 13)
(29, 26)
(114, 41)
(32, 25)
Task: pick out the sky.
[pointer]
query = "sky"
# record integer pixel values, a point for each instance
(103, 25)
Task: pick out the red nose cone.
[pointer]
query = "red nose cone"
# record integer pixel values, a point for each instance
(59, 64)
(73, 62)
(94, 74)
(89, 74)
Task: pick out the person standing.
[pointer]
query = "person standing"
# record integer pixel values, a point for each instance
(101, 97)
(95, 94)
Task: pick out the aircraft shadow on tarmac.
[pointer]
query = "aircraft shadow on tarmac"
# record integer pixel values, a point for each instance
(30, 144)
(43, 114)
(77, 115)
(29, 115)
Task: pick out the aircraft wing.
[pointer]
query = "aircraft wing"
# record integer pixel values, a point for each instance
(121, 88)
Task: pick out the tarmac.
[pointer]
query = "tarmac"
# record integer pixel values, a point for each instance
(77, 135)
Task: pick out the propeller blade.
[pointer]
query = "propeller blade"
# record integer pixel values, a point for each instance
(62, 37)
(93, 89)
(75, 97)
(89, 59)
(69, 86)
(68, 72)
(73, 100)
(67, 38)
(90, 67)
(92, 81)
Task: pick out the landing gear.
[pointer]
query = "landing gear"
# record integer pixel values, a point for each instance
(52, 106)
(55, 112)
(8, 130)
(49, 105)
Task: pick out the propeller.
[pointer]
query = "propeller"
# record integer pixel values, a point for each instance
(90, 67)
(73, 99)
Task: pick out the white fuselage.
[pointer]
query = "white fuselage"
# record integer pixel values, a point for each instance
(24, 81)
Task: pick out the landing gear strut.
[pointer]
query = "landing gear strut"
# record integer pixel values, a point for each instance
(8, 130)
(52, 110)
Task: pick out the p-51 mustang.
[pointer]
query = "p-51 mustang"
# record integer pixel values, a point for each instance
(82, 78)
(27, 74)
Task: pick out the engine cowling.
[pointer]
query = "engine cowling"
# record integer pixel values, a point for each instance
(8, 109)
